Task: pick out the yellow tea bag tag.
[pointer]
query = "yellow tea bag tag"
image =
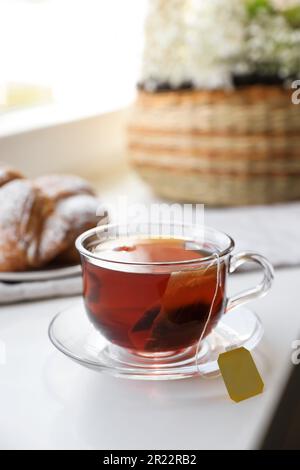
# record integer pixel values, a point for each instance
(240, 374)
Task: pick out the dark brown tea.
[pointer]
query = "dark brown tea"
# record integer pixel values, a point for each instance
(147, 310)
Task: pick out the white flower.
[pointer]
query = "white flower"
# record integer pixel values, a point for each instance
(216, 33)
(165, 43)
(273, 46)
(206, 42)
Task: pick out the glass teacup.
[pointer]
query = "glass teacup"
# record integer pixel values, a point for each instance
(160, 292)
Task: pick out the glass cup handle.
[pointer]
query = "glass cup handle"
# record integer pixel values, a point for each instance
(260, 289)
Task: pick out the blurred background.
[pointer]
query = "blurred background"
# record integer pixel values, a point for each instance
(68, 71)
(185, 100)
(212, 119)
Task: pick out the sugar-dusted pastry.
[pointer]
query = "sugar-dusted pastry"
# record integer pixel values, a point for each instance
(60, 186)
(23, 209)
(70, 217)
(74, 211)
(40, 220)
(8, 174)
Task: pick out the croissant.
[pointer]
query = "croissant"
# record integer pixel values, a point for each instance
(40, 219)
(8, 174)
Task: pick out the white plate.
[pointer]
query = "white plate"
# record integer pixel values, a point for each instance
(41, 275)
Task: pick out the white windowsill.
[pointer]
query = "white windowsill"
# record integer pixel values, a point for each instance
(39, 117)
(89, 140)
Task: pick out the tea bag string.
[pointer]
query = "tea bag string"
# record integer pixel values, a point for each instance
(218, 280)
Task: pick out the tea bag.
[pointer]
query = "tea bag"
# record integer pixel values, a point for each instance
(240, 374)
(180, 317)
(236, 364)
(140, 331)
(145, 323)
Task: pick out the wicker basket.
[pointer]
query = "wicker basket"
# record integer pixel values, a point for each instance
(223, 148)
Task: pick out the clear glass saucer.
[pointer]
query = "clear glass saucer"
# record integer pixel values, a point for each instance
(72, 333)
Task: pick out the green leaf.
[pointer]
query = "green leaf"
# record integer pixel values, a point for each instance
(256, 6)
(293, 16)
